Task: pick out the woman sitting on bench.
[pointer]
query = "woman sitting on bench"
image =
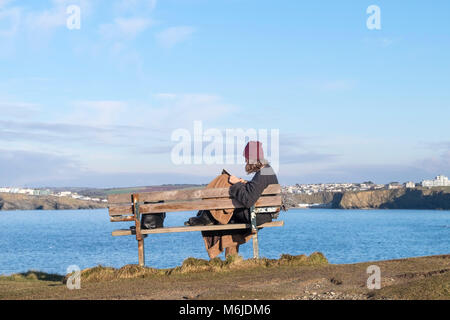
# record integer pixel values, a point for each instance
(246, 192)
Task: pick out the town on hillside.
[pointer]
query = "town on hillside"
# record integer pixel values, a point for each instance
(48, 192)
(439, 181)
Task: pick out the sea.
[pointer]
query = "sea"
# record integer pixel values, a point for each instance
(55, 241)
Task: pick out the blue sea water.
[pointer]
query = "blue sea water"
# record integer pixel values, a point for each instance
(50, 241)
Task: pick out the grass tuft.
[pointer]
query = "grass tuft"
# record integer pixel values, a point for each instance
(33, 275)
(190, 265)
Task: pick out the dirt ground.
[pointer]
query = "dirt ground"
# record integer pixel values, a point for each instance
(413, 278)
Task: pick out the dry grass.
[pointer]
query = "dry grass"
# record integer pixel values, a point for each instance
(32, 276)
(193, 265)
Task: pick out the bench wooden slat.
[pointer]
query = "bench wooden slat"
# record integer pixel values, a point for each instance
(127, 232)
(120, 210)
(208, 204)
(119, 198)
(121, 218)
(184, 194)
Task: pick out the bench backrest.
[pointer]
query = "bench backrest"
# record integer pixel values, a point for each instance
(121, 207)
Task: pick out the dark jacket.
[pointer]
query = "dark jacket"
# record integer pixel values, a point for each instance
(248, 193)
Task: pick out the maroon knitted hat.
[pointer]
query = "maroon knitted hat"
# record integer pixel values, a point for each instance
(253, 151)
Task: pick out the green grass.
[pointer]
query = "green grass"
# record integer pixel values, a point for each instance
(124, 190)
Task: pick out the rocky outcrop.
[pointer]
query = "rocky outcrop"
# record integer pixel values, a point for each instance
(396, 199)
(375, 199)
(330, 199)
(368, 199)
(10, 201)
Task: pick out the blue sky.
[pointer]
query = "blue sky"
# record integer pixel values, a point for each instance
(97, 106)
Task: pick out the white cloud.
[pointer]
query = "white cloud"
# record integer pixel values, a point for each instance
(46, 20)
(3, 3)
(132, 26)
(174, 35)
(9, 21)
(37, 25)
(18, 109)
(97, 113)
(112, 131)
(24, 167)
(382, 42)
(125, 28)
(165, 96)
(41, 21)
(151, 3)
(125, 6)
(180, 110)
(116, 38)
(160, 116)
(438, 163)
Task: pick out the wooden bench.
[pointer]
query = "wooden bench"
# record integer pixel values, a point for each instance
(130, 207)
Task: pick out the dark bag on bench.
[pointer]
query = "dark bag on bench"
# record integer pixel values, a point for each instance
(152, 221)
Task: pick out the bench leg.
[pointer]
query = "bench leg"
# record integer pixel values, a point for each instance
(137, 221)
(255, 246)
(141, 252)
(255, 233)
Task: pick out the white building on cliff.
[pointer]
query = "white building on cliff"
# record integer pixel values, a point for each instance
(410, 185)
(439, 181)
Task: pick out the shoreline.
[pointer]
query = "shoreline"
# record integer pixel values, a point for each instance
(415, 199)
(14, 202)
(289, 209)
(368, 209)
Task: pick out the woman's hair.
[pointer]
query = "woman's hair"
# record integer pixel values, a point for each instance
(255, 166)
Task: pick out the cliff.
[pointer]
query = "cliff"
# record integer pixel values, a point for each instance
(420, 198)
(292, 200)
(396, 199)
(10, 201)
(13, 201)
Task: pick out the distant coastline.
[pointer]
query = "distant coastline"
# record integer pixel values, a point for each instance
(18, 201)
(404, 198)
(11, 202)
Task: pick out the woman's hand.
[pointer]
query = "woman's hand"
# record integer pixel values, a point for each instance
(234, 180)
